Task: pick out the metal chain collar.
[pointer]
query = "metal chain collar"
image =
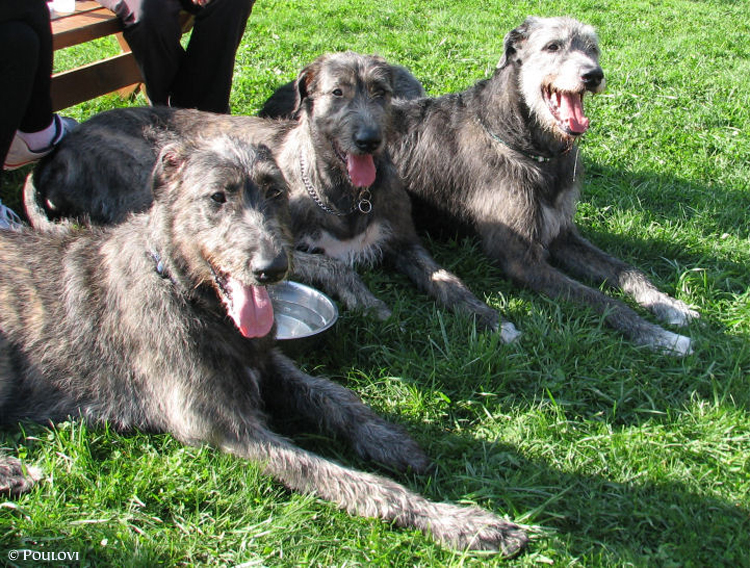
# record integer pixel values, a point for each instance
(363, 203)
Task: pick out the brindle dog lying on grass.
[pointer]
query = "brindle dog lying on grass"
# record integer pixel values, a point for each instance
(163, 323)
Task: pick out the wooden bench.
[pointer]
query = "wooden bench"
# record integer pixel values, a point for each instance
(119, 73)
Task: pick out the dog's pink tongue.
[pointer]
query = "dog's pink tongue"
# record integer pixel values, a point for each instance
(361, 169)
(571, 112)
(251, 309)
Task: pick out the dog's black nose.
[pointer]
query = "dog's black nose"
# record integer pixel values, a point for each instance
(368, 139)
(269, 271)
(592, 79)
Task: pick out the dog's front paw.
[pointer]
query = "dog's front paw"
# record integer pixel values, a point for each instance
(672, 343)
(15, 478)
(491, 320)
(362, 300)
(390, 446)
(379, 310)
(674, 312)
(508, 332)
(486, 318)
(473, 528)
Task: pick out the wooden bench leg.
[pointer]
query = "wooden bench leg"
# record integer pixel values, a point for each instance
(130, 90)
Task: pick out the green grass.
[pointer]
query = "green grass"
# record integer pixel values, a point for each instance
(612, 455)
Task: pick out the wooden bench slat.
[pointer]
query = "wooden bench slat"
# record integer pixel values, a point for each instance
(90, 81)
(83, 5)
(82, 27)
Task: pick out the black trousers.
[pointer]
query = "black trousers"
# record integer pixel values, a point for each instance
(25, 68)
(199, 76)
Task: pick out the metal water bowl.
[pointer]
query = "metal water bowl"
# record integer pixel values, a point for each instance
(301, 311)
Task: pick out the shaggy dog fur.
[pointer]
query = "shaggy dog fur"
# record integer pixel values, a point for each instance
(501, 158)
(347, 201)
(163, 323)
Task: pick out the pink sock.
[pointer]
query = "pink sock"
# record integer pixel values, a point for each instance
(41, 140)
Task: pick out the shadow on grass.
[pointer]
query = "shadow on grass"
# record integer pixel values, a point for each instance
(567, 365)
(715, 208)
(592, 518)
(592, 376)
(570, 514)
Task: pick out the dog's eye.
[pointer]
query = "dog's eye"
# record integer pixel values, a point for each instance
(337, 93)
(379, 93)
(552, 46)
(219, 197)
(273, 192)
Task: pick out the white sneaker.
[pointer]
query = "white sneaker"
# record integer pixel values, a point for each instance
(19, 153)
(8, 218)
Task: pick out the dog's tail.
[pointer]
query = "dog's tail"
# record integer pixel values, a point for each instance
(37, 214)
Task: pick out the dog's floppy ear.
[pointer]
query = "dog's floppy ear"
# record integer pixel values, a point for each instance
(168, 163)
(388, 71)
(514, 39)
(302, 85)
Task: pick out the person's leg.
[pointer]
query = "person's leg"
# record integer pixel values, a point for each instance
(26, 65)
(37, 128)
(19, 54)
(38, 115)
(153, 32)
(204, 80)
(19, 47)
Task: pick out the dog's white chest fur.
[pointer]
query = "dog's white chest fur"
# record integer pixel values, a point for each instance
(552, 223)
(555, 219)
(364, 248)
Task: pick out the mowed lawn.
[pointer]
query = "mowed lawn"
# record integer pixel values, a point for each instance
(610, 454)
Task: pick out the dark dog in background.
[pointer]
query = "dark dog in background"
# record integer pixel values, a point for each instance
(347, 200)
(163, 323)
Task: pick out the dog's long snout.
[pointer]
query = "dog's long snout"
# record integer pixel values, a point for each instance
(368, 139)
(269, 270)
(593, 78)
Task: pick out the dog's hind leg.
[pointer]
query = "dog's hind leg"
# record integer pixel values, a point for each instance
(415, 262)
(369, 495)
(339, 411)
(529, 268)
(338, 280)
(579, 256)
